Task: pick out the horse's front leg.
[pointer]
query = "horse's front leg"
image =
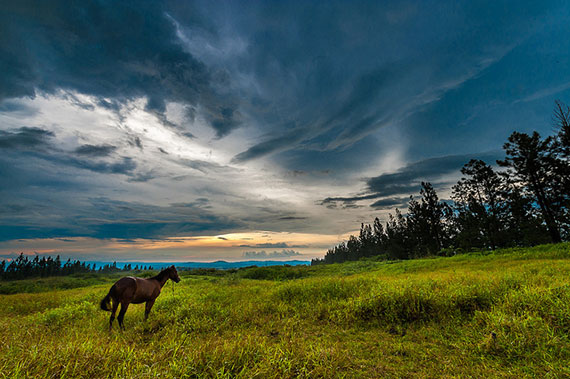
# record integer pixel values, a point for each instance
(147, 308)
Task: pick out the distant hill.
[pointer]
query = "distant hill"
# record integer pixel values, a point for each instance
(224, 265)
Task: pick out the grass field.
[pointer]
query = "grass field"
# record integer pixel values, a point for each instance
(501, 314)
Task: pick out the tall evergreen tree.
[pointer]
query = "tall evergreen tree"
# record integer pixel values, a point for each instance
(379, 236)
(479, 206)
(368, 246)
(397, 239)
(530, 162)
(425, 222)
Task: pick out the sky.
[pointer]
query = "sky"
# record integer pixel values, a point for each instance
(200, 130)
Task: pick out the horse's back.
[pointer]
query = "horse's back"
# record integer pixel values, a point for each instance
(135, 290)
(147, 289)
(125, 282)
(124, 288)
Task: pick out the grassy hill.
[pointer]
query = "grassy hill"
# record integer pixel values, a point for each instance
(500, 314)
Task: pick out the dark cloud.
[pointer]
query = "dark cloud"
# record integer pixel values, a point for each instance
(28, 144)
(330, 76)
(74, 100)
(351, 204)
(276, 245)
(142, 177)
(138, 220)
(331, 164)
(225, 120)
(345, 202)
(200, 165)
(23, 173)
(114, 51)
(268, 245)
(8, 106)
(314, 79)
(269, 146)
(350, 198)
(391, 202)
(407, 180)
(12, 208)
(125, 165)
(135, 141)
(112, 105)
(25, 138)
(105, 218)
(95, 150)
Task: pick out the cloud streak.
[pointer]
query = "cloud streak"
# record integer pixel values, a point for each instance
(275, 254)
(95, 150)
(25, 138)
(407, 180)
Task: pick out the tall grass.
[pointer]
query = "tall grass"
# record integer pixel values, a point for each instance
(502, 314)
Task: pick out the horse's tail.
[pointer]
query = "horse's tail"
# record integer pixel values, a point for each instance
(106, 302)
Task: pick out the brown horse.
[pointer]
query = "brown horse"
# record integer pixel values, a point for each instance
(136, 290)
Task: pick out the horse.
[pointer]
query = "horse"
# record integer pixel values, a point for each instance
(129, 290)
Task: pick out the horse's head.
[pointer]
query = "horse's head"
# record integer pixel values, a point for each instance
(173, 274)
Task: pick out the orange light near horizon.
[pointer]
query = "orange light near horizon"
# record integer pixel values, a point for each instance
(258, 240)
(250, 240)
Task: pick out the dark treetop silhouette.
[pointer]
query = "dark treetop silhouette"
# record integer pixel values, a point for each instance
(136, 290)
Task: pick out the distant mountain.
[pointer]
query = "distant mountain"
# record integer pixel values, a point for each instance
(217, 264)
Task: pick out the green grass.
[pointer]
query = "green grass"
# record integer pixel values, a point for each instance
(500, 314)
(51, 283)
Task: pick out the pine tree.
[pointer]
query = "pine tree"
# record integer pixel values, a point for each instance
(479, 206)
(425, 222)
(531, 163)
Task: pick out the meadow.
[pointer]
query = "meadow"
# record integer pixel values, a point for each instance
(483, 314)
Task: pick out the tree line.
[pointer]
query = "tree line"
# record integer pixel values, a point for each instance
(23, 267)
(523, 203)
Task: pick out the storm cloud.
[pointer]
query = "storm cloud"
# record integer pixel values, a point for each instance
(152, 119)
(31, 143)
(25, 138)
(105, 218)
(95, 150)
(407, 180)
(114, 51)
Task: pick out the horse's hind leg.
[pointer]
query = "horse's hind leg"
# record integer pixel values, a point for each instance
(115, 306)
(124, 306)
(147, 308)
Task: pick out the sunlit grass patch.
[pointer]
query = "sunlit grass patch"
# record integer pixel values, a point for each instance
(495, 315)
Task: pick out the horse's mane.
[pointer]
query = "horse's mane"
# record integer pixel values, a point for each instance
(162, 274)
